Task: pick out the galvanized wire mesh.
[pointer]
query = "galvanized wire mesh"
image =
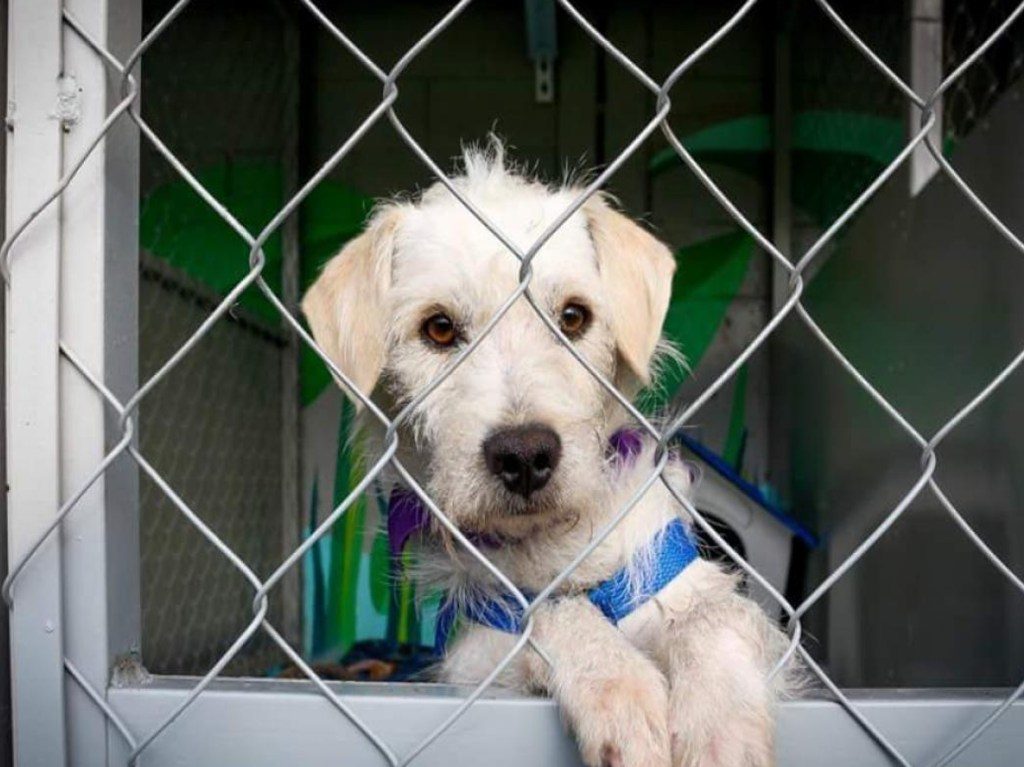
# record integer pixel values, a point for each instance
(967, 24)
(794, 264)
(222, 449)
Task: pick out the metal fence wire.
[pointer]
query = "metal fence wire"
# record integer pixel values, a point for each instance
(969, 99)
(794, 264)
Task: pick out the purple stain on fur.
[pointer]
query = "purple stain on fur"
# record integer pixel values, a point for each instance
(626, 445)
(406, 517)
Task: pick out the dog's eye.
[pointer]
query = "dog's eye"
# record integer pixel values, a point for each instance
(439, 329)
(575, 318)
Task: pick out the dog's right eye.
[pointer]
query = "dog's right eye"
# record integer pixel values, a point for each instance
(439, 329)
(574, 319)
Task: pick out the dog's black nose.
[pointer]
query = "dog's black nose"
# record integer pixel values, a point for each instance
(523, 457)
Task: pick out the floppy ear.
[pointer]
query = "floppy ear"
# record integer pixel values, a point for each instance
(345, 306)
(636, 271)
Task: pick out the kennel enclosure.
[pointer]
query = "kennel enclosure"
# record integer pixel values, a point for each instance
(82, 449)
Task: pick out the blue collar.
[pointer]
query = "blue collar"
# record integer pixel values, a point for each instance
(616, 597)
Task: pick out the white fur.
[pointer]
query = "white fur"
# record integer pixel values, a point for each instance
(683, 679)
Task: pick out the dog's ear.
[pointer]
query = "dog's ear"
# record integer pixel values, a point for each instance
(345, 306)
(636, 271)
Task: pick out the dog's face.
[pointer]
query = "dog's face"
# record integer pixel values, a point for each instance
(514, 439)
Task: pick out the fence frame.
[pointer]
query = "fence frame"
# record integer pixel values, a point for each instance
(31, 338)
(923, 724)
(72, 277)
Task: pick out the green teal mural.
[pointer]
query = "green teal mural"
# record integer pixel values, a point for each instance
(177, 226)
(835, 153)
(708, 277)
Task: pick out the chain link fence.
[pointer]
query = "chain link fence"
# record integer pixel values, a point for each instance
(190, 347)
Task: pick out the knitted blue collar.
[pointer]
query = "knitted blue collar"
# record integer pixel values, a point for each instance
(618, 596)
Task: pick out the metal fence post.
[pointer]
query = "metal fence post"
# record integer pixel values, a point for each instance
(33, 169)
(98, 320)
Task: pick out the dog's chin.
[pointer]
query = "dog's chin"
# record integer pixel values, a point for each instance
(513, 518)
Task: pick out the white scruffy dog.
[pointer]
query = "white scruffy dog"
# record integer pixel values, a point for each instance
(513, 447)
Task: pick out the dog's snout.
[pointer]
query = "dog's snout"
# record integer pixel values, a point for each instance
(523, 457)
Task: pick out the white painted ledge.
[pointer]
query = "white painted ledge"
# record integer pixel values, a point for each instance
(277, 722)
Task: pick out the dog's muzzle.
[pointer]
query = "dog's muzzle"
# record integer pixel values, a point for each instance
(523, 457)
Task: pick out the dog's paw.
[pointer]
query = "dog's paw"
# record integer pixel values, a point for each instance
(624, 723)
(744, 739)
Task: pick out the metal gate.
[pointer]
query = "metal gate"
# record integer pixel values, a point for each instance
(70, 262)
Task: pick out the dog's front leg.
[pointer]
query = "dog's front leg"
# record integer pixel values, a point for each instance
(721, 703)
(612, 695)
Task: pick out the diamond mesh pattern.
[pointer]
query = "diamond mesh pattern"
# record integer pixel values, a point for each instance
(967, 24)
(795, 265)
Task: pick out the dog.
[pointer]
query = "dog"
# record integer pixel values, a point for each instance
(514, 448)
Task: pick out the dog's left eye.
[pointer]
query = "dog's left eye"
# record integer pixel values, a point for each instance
(575, 318)
(439, 329)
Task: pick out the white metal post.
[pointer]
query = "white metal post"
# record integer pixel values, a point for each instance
(33, 169)
(925, 76)
(98, 321)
